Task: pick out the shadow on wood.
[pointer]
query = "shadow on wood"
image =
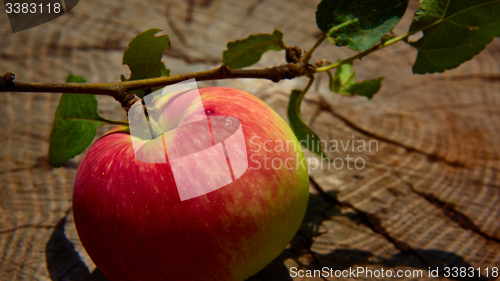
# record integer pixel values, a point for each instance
(63, 262)
(319, 210)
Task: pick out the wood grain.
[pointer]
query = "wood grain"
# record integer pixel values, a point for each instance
(428, 196)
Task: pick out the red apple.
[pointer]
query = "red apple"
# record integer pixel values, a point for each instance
(134, 224)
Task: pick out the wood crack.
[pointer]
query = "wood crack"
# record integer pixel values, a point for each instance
(450, 211)
(15, 170)
(251, 9)
(26, 226)
(371, 222)
(171, 23)
(432, 157)
(178, 54)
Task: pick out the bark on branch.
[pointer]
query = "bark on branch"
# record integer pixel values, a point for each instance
(119, 90)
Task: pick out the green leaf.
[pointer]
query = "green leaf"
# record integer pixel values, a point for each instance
(75, 125)
(248, 51)
(344, 83)
(358, 24)
(304, 134)
(143, 57)
(367, 88)
(343, 80)
(454, 32)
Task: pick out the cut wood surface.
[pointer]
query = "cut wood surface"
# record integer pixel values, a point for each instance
(428, 194)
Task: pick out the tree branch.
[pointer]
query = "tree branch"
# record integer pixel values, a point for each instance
(275, 74)
(106, 89)
(119, 90)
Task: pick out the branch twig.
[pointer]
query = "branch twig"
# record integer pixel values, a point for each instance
(307, 56)
(365, 53)
(275, 74)
(119, 90)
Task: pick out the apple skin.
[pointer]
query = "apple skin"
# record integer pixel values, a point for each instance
(132, 223)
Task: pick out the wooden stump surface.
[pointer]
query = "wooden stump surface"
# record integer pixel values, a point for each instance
(429, 192)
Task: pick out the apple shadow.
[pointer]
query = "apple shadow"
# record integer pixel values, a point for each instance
(321, 208)
(64, 263)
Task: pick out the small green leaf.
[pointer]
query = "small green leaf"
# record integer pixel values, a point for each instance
(75, 125)
(343, 80)
(367, 88)
(344, 83)
(358, 24)
(248, 51)
(454, 32)
(143, 57)
(304, 134)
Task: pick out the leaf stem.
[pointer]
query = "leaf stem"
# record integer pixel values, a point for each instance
(308, 86)
(307, 56)
(365, 53)
(115, 122)
(303, 93)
